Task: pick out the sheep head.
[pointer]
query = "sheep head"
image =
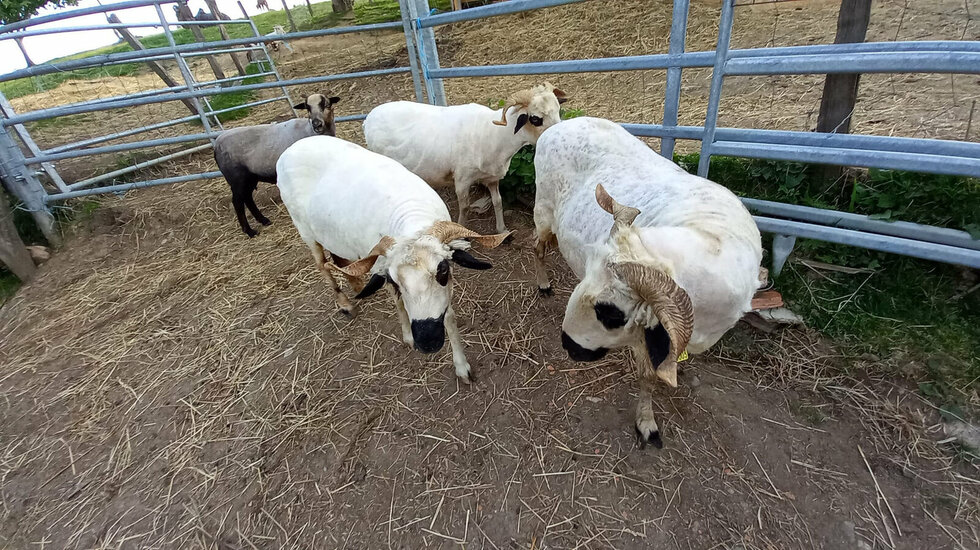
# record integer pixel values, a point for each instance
(321, 110)
(538, 106)
(418, 270)
(623, 303)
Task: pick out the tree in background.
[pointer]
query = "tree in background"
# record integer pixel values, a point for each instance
(17, 10)
(342, 6)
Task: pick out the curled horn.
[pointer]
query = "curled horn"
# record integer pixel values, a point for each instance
(521, 97)
(447, 231)
(671, 305)
(621, 214)
(356, 271)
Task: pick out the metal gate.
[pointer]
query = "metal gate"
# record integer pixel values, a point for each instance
(785, 221)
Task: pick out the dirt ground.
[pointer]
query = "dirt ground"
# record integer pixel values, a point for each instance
(167, 383)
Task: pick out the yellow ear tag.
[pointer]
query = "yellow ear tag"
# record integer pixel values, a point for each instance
(683, 356)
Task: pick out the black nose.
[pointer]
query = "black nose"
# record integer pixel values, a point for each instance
(429, 334)
(578, 353)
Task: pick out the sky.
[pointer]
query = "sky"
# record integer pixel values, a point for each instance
(46, 47)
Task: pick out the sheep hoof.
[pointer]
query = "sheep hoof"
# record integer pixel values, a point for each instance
(546, 291)
(653, 438)
(251, 233)
(265, 221)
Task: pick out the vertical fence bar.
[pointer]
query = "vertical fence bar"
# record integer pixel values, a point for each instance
(413, 63)
(268, 58)
(413, 13)
(717, 77)
(678, 35)
(184, 71)
(25, 186)
(429, 56)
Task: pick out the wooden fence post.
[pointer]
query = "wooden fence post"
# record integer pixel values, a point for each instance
(292, 24)
(199, 36)
(13, 253)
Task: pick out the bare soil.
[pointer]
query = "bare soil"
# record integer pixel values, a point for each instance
(167, 383)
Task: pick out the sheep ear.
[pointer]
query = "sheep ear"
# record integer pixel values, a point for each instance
(302, 105)
(562, 98)
(334, 99)
(467, 260)
(521, 121)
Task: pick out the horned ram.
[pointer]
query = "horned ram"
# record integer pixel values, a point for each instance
(463, 145)
(360, 212)
(670, 265)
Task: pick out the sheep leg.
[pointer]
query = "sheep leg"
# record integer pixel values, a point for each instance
(498, 205)
(463, 370)
(250, 203)
(402, 317)
(540, 268)
(320, 257)
(239, 203)
(647, 430)
(463, 200)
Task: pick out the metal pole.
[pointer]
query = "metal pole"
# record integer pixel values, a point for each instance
(413, 14)
(429, 55)
(185, 72)
(403, 5)
(678, 31)
(717, 77)
(26, 187)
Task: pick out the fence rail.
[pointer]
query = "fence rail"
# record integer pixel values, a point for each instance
(785, 221)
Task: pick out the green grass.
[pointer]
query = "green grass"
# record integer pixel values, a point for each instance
(384, 11)
(905, 311)
(323, 17)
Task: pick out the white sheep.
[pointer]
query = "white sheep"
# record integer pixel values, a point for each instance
(463, 144)
(673, 271)
(361, 212)
(248, 155)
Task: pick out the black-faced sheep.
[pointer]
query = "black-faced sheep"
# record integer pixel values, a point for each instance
(248, 155)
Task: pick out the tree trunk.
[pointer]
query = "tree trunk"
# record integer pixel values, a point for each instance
(292, 24)
(840, 90)
(310, 8)
(23, 50)
(199, 36)
(13, 254)
(342, 6)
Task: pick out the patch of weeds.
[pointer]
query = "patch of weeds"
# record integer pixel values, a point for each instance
(234, 99)
(811, 414)
(59, 122)
(9, 283)
(519, 180)
(384, 11)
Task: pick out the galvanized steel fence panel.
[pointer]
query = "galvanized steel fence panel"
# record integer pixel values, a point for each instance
(785, 221)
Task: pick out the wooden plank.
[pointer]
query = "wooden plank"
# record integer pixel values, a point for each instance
(13, 253)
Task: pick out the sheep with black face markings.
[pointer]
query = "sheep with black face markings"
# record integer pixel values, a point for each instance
(672, 268)
(360, 212)
(463, 145)
(248, 155)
